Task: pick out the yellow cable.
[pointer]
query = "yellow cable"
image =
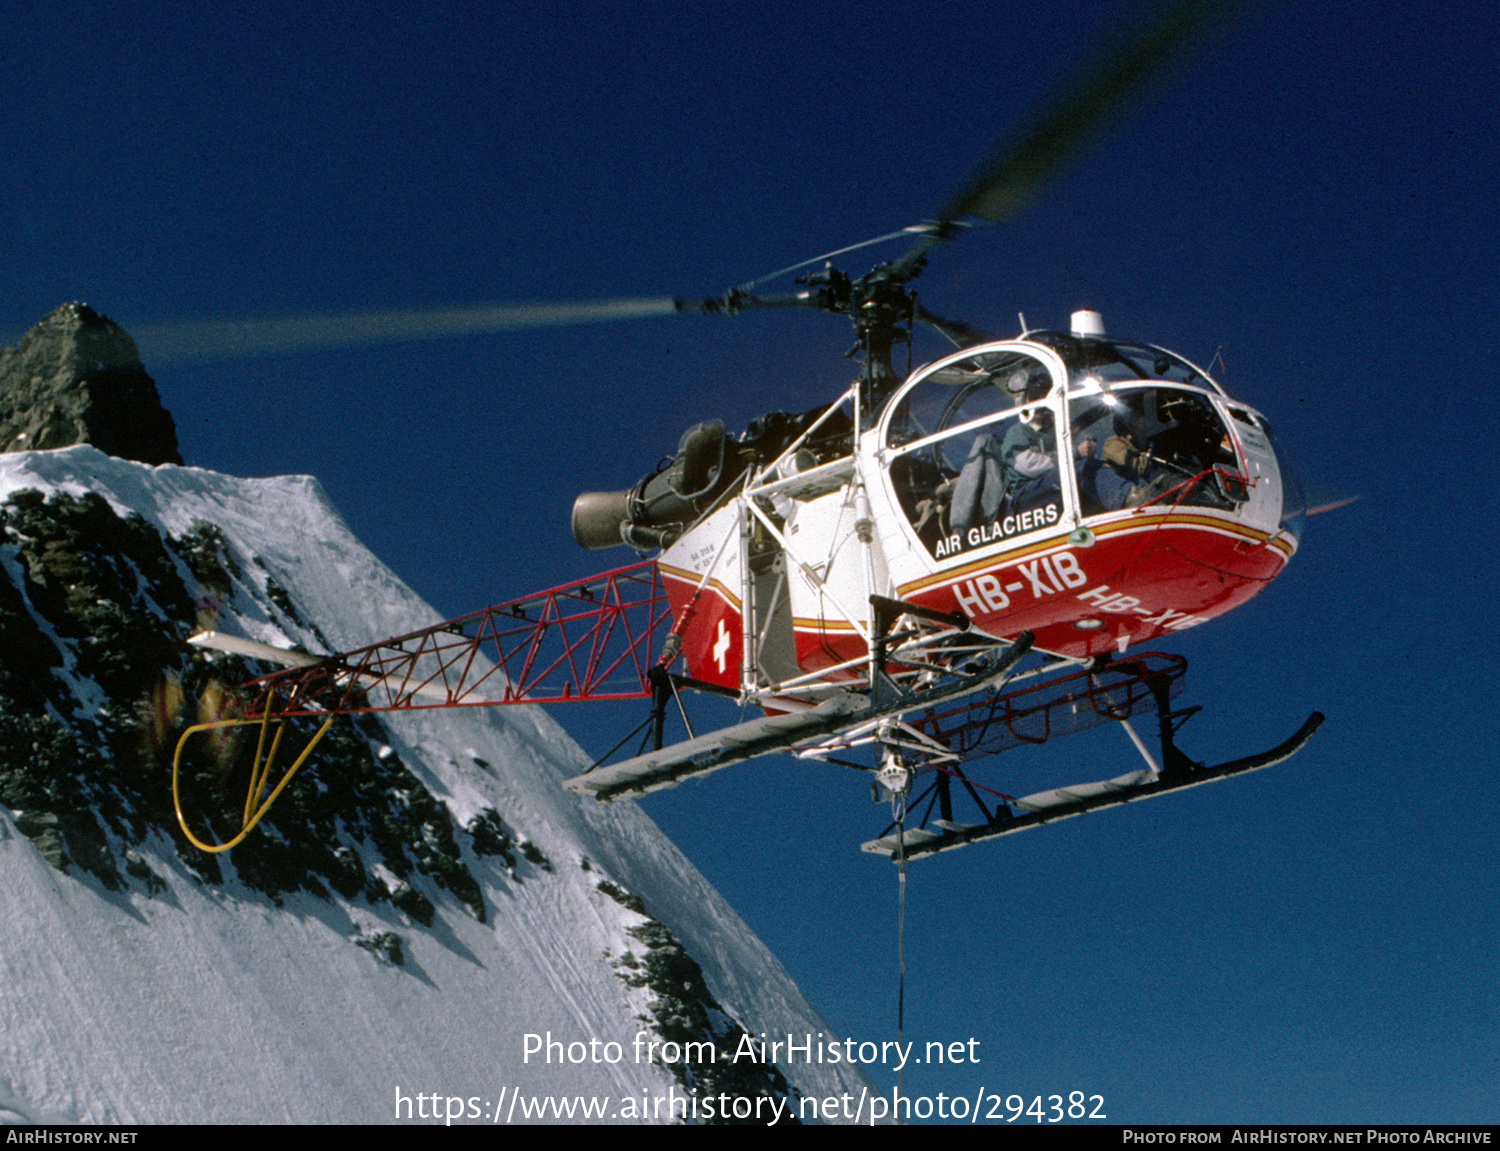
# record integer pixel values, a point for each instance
(260, 772)
(256, 775)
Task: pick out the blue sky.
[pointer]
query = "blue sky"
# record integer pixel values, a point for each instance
(1309, 195)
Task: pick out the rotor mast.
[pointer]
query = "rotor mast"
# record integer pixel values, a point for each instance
(878, 304)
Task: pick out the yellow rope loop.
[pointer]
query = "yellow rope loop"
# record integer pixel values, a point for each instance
(260, 775)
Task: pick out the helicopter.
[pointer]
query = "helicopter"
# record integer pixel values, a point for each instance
(925, 570)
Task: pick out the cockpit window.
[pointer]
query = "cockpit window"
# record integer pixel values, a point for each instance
(1094, 363)
(968, 390)
(1143, 445)
(980, 451)
(975, 453)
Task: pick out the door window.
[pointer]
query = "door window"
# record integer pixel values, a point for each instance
(975, 453)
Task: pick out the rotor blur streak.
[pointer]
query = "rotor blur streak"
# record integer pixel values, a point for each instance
(223, 339)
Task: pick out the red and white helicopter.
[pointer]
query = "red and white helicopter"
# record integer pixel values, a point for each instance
(923, 572)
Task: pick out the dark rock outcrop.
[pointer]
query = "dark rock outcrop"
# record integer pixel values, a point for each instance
(76, 378)
(96, 685)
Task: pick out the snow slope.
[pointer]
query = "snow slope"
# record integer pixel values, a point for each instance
(182, 1000)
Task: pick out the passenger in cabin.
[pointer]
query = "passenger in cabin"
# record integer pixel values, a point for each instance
(1114, 476)
(979, 492)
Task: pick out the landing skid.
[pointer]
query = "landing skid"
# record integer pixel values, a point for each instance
(1045, 807)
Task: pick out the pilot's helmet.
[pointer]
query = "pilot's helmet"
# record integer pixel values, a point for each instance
(1027, 385)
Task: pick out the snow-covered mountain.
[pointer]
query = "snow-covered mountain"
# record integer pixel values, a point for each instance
(425, 924)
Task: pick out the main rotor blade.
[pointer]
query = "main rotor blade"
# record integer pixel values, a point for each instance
(910, 230)
(1013, 171)
(194, 341)
(956, 332)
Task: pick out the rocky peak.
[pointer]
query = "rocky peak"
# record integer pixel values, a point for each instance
(76, 378)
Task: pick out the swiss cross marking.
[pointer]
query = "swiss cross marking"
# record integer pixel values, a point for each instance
(721, 646)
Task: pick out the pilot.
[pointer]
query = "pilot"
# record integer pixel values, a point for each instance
(1086, 463)
(1129, 475)
(1030, 455)
(1027, 383)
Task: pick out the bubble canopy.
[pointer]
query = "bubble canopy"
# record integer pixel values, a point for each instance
(1052, 428)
